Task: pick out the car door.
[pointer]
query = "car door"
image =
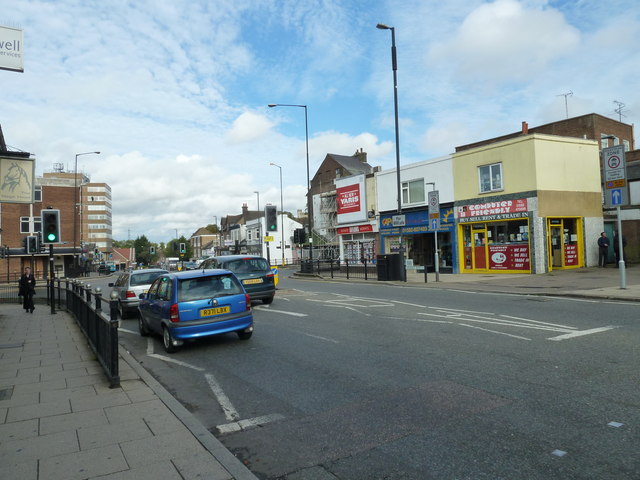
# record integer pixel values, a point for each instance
(148, 306)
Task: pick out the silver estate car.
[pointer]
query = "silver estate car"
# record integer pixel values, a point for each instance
(130, 285)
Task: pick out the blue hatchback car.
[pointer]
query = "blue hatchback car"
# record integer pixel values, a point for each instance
(194, 304)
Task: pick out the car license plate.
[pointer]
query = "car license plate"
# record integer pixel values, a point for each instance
(209, 312)
(252, 280)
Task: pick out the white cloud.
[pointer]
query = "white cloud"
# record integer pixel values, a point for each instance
(249, 126)
(503, 41)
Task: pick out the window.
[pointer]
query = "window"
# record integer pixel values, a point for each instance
(413, 191)
(626, 145)
(490, 177)
(37, 194)
(24, 225)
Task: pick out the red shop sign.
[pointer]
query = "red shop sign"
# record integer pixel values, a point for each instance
(509, 257)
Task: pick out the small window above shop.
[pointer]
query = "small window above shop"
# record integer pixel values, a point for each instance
(490, 177)
(413, 191)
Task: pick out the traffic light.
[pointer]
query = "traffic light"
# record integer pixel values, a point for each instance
(271, 216)
(33, 244)
(299, 235)
(152, 250)
(50, 226)
(183, 248)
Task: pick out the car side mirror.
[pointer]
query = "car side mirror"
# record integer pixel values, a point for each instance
(142, 296)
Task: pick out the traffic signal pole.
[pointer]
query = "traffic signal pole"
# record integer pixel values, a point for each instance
(52, 276)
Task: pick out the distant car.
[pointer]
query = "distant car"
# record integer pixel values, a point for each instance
(130, 285)
(194, 304)
(254, 272)
(189, 265)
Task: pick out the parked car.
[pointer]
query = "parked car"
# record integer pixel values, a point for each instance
(130, 285)
(254, 272)
(193, 304)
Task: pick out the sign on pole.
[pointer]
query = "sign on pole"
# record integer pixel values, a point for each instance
(434, 210)
(615, 176)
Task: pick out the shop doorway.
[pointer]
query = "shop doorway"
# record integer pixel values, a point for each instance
(565, 243)
(475, 247)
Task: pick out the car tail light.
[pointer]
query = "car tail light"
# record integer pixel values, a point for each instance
(247, 299)
(130, 294)
(269, 275)
(174, 315)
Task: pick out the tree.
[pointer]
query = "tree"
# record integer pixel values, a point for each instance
(143, 255)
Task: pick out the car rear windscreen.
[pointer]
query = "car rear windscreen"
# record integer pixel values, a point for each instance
(144, 278)
(200, 288)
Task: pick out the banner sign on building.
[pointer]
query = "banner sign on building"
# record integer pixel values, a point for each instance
(351, 202)
(11, 49)
(502, 210)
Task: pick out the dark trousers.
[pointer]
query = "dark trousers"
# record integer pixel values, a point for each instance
(27, 301)
(602, 257)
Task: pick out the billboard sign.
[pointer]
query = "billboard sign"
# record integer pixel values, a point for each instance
(351, 204)
(11, 49)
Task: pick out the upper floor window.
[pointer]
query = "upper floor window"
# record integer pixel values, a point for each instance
(37, 194)
(30, 224)
(490, 177)
(413, 191)
(626, 145)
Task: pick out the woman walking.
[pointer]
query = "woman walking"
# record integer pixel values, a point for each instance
(27, 289)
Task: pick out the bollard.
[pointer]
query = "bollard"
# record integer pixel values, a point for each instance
(113, 306)
(98, 296)
(88, 292)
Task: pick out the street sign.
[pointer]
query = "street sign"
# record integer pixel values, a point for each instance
(399, 221)
(615, 176)
(268, 238)
(433, 199)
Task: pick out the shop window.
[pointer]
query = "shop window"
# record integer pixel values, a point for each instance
(490, 177)
(413, 191)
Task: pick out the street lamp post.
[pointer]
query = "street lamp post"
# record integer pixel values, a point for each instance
(258, 199)
(76, 203)
(281, 212)
(309, 202)
(394, 66)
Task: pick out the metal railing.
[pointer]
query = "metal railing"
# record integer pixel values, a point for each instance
(100, 328)
(341, 268)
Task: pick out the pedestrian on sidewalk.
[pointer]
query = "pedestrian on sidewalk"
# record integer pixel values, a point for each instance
(616, 247)
(27, 289)
(603, 250)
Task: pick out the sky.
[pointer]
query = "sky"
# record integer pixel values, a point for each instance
(174, 94)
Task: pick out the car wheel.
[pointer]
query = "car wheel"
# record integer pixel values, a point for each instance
(245, 335)
(267, 301)
(167, 340)
(142, 327)
(121, 311)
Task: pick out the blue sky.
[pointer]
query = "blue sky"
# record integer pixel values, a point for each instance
(174, 94)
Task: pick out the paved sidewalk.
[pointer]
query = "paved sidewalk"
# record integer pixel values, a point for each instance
(60, 420)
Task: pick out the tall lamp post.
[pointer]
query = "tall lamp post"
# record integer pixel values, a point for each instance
(394, 66)
(309, 203)
(76, 203)
(281, 212)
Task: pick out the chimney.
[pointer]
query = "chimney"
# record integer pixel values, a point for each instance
(245, 209)
(525, 128)
(362, 156)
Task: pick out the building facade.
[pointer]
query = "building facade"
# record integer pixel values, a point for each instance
(529, 204)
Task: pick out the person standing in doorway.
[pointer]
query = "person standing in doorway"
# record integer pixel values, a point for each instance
(603, 250)
(27, 289)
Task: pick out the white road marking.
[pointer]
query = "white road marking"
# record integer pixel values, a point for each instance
(177, 362)
(249, 423)
(536, 321)
(407, 303)
(293, 314)
(127, 331)
(320, 338)
(494, 331)
(149, 346)
(227, 407)
(580, 333)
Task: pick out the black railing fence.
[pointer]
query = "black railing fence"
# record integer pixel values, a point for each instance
(340, 268)
(99, 327)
